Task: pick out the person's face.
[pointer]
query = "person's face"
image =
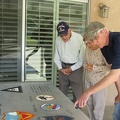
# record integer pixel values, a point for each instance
(91, 45)
(67, 36)
(100, 38)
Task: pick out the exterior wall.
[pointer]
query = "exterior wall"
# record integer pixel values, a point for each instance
(113, 20)
(113, 24)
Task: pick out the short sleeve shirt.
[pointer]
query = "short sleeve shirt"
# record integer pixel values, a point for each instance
(112, 51)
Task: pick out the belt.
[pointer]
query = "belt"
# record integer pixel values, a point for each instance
(68, 63)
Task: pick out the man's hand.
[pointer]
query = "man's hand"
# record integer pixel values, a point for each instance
(82, 100)
(66, 71)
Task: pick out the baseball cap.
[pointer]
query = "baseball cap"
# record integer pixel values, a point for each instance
(92, 29)
(62, 28)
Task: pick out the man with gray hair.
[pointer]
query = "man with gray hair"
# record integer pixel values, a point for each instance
(109, 43)
(68, 57)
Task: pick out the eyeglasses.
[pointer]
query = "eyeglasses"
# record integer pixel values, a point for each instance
(64, 35)
(88, 42)
(96, 34)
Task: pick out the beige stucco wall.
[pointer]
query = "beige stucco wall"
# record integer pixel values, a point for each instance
(113, 20)
(113, 24)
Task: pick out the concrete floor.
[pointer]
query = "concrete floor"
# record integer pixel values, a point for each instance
(108, 115)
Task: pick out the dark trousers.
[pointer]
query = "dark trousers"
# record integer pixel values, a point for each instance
(74, 80)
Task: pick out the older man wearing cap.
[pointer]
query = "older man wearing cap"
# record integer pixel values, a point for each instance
(109, 43)
(69, 59)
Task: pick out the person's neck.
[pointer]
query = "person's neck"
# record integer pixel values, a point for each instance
(107, 38)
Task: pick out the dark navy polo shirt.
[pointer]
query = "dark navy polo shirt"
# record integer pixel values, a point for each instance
(112, 51)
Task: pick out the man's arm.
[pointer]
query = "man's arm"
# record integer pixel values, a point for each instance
(57, 59)
(105, 82)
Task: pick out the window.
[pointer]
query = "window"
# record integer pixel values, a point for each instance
(41, 19)
(10, 45)
(39, 44)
